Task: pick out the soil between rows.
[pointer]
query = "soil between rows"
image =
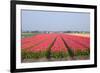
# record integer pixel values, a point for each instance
(53, 59)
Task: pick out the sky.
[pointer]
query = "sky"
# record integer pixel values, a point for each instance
(33, 20)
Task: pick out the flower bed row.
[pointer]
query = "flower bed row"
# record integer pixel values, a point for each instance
(55, 46)
(73, 43)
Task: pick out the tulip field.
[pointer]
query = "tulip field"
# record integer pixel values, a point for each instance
(55, 46)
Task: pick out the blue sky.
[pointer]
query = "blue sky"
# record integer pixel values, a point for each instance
(54, 21)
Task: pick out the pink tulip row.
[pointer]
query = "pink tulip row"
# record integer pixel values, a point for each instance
(42, 42)
(72, 42)
(58, 45)
(35, 40)
(43, 47)
(79, 39)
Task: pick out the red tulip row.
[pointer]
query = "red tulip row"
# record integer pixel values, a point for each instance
(59, 45)
(33, 41)
(59, 48)
(33, 38)
(43, 47)
(85, 41)
(76, 43)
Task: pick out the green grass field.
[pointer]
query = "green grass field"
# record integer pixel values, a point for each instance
(29, 34)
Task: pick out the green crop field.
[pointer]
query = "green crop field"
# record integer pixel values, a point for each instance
(28, 34)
